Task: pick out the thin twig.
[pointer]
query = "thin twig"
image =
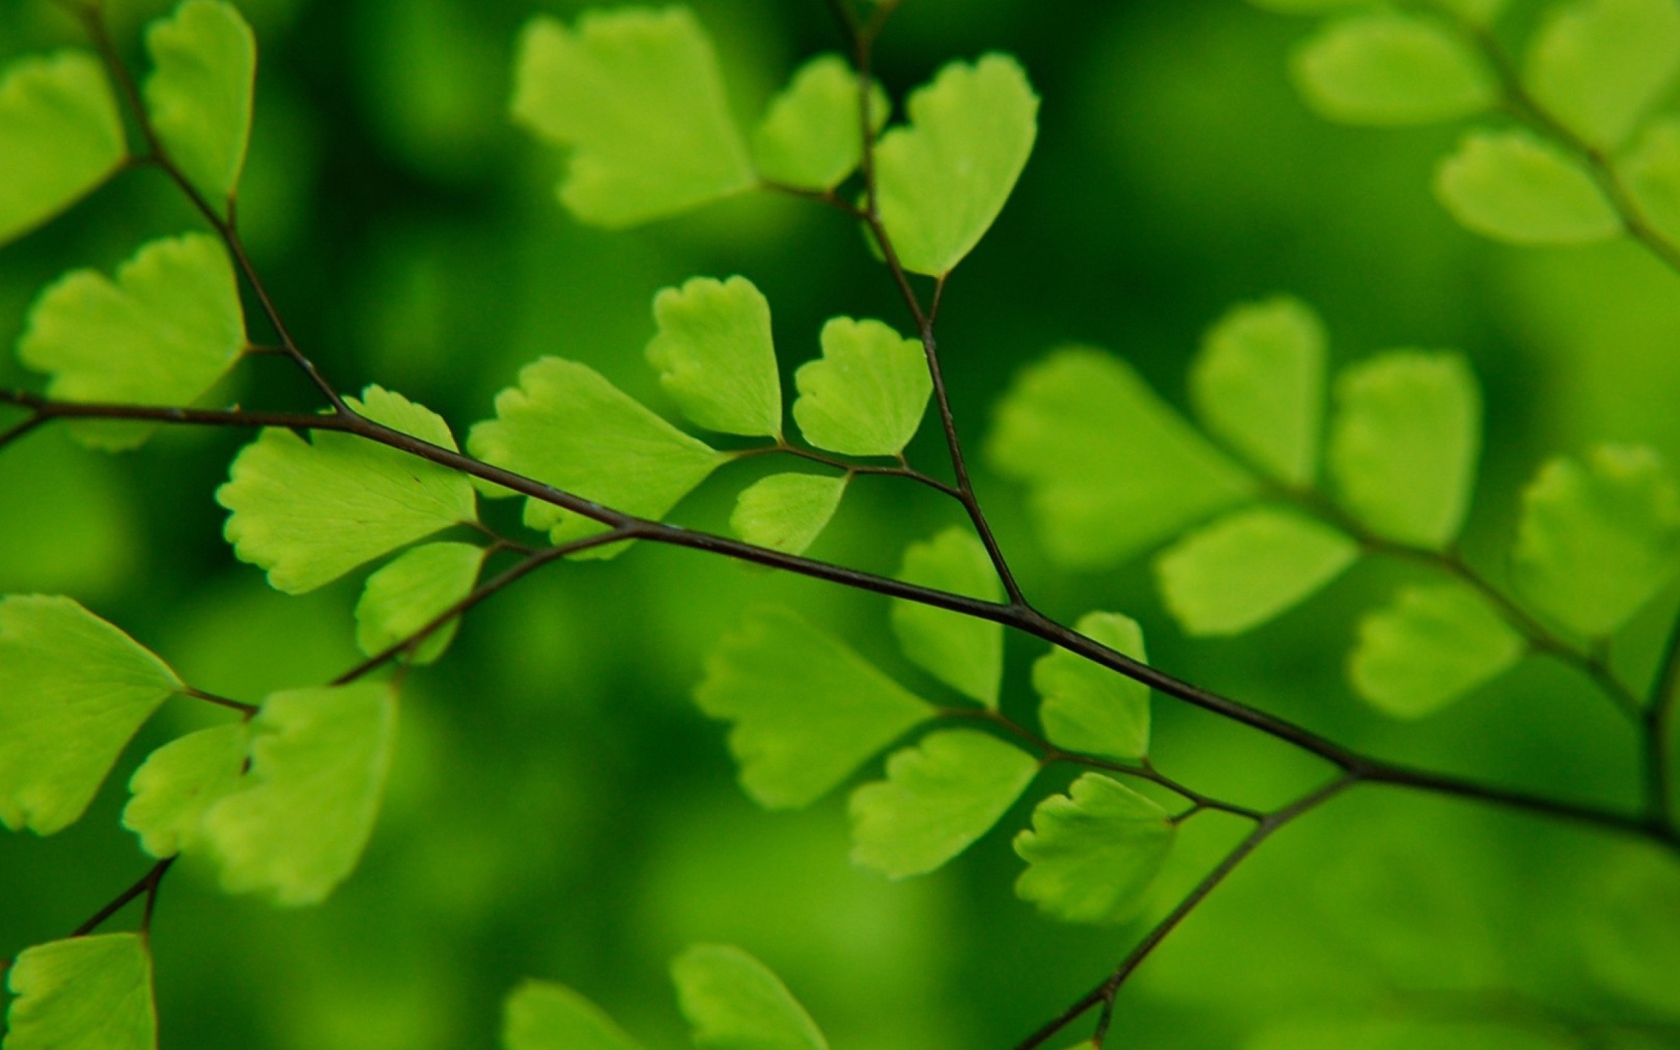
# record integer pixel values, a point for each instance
(248, 710)
(147, 885)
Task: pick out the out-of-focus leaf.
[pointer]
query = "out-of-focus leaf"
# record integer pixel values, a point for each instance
(733, 1002)
(807, 710)
(1088, 708)
(943, 178)
(1392, 67)
(1248, 568)
(715, 356)
(1651, 170)
(811, 136)
(1093, 853)
(787, 512)
(1597, 66)
(1404, 442)
(409, 593)
(565, 425)
(1433, 645)
(163, 333)
(1631, 929)
(868, 392)
(1596, 541)
(964, 652)
(1259, 384)
(938, 798)
(61, 134)
(296, 826)
(199, 94)
(1110, 469)
(637, 93)
(1380, 1034)
(83, 993)
(73, 690)
(540, 1015)
(180, 781)
(1514, 186)
(310, 511)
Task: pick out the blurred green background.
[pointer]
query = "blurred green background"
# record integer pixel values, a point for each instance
(561, 810)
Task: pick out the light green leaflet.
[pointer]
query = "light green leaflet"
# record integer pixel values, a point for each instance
(179, 782)
(565, 425)
(938, 798)
(1598, 66)
(942, 180)
(1651, 171)
(868, 392)
(1087, 708)
(73, 691)
(1387, 67)
(1513, 186)
(1631, 928)
(1597, 541)
(84, 993)
(414, 589)
(807, 710)
(204, 61)
(964, 652)
(1405, 1034)
(309, 512)
(637, 93)
(1433, 645)
(1479, 11)
(1248, 568)
(715, 357)
(163, 333)
(1111, 469)
(786, 512)
(1258, 383)
(733, 1002)
(61, 134)
(1404, 441)
(297, 825)
(1093, 853)
(540, 1015)
(811, 136)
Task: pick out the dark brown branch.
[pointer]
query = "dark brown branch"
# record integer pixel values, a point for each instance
(248, 710)
(1659, 734)
(147, 885)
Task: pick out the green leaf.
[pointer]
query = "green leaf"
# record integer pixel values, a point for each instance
(413, 590)
(1651, 171)
(1259, 384)
(964, 652)
(715, 357)
(1248, 568)
(1111, 469)
(1087, 708)
(638, 95)
(566, 426)
(786, 512)
(807, 710)
(733, 1002)
(540, 1015)
(868, 392)
(1093, 853)
(309, 512)
(163, 333)
(1481, 12)
(938, 798)
(1430, 647)
(1596, 542)
(1314, 1033)
(811, 137)
(1404, 443)
(199, 94)
(61, 133)
(942, 180)
(73, 691)
(84, 993)
(1513, 186)
(1386, 67)
(298, 824)
(1631, 929)
(179, 782)
(1598, 66)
